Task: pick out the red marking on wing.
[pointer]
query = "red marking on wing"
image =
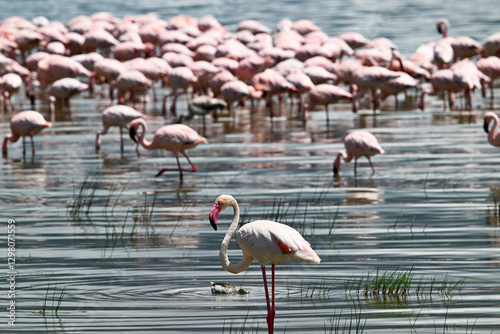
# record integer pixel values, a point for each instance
(284, 247)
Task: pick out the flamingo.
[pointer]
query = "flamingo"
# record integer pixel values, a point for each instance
(175, 138)
(372, 77)
(203, 105)
(264, 240)
(62, 90)
(493, 137)
(358, 144)
(131, 81)
(54, 67)
(326, 94)
(117, 115)
(235, 91)
(25, 123)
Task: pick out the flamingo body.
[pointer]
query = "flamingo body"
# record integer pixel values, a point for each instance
(117, 115)
(358, 144)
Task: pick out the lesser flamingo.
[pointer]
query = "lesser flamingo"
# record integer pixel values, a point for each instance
(176, 138)
(358, 144)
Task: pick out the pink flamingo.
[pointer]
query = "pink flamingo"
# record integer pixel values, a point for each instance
(117, 115)
(178, 78)
(302, 82)
(327, 94)
(25, 123)
(463, 46)
(493, 137)
(264, 240)
(130, 50)
(398, 85)
(271, 82)
(10, 84)
(358, 144)
(441, 81)
(372, 77)
(54, 67)
(176, 138)
(234, 91)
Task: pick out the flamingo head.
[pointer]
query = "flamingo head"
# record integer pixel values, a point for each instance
(488, 117)
(133, 129)
(221, 203)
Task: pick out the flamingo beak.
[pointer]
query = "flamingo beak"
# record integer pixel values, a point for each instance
(132, 134)
(486, 127)
(213, 215)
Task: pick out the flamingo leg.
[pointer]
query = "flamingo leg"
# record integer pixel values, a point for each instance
(121, 140)
(32, 147)
(355, 165)
(370, 161)
(270, 316)
(179, 169)
(172, 107)
(24, 147)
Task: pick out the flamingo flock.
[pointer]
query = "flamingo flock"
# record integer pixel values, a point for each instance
(127, 60)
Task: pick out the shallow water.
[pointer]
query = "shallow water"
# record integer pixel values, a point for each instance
(115, 250)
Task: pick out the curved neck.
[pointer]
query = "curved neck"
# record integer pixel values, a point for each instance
(142, 135)
(224, 259)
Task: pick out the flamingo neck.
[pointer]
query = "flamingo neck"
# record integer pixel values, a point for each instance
(142, 136)
(224, 259)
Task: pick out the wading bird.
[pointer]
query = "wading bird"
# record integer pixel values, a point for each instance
(358, 144)
(175, 138)
(117, 115)
(25, 123)
(264, 240)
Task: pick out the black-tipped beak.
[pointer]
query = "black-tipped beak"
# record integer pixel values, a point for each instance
(132, 134)
(213, 215)
(486, 127)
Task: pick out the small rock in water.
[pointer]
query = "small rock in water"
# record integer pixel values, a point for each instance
(226, 289)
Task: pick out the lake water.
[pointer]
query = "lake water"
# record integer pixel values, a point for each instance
(102, 246)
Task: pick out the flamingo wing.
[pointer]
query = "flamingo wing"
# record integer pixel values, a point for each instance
(268, 241)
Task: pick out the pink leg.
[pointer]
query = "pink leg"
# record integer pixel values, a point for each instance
(121, 140)
(370, 161)
(179, 169)
(355, 165)
(270, 316)
(273, 310)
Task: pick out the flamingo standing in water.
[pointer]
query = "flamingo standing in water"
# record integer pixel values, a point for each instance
(493, 137)
(264, 240)
(358, 144)
(25, 123)
(118, 115)
(176, 138)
